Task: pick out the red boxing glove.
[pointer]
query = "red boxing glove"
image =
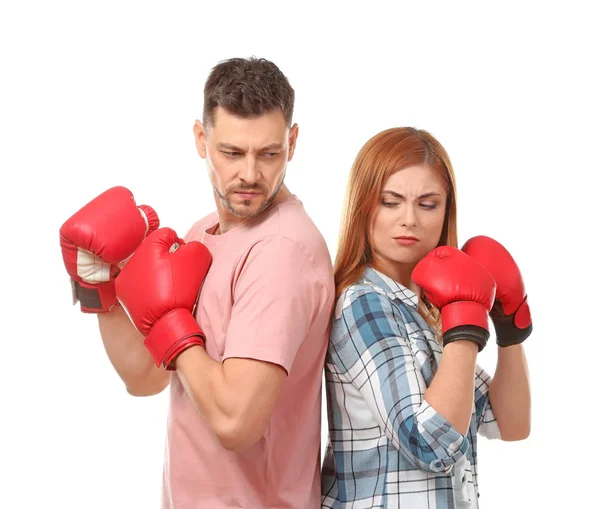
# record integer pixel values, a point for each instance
(159, 287)
(510, 313)
(462, 289)
(97, 239)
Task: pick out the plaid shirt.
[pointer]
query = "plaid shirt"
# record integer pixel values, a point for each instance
(387, 447)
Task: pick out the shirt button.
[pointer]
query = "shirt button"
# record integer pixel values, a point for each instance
(437, 465)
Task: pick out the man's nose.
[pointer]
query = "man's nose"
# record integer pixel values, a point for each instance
(249, 173)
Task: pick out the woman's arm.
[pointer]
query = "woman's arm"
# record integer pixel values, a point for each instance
(451, 391)
(371, 354)
(510, 395)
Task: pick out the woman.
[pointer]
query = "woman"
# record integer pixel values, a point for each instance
(406, 398)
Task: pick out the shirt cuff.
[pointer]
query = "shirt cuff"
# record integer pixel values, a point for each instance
(259, 354)
(447, 444)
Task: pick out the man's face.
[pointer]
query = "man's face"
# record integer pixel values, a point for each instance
(246, 159)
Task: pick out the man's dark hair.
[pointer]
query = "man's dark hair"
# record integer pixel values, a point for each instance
(247, 87)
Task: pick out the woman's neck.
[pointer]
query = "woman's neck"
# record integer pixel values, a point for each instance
(399, 272)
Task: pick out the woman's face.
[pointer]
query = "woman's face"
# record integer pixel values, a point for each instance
(409, 218)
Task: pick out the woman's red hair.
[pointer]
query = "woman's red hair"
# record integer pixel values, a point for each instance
(385, 153)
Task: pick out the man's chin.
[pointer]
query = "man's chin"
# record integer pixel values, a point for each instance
(248, 210)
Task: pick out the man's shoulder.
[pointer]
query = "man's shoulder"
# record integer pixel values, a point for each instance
(198, 227)
(292, 221)
(294, 224)
(284, 236)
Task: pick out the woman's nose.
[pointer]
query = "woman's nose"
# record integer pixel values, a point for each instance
(408, 216)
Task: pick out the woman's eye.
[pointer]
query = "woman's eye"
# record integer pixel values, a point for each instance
(428, 206)
(389, 203)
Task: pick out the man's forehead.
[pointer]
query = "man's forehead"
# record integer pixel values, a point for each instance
(255, 133)
(223, 118)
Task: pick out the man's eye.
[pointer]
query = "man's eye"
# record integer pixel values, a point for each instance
(230, 154)
(270, 155)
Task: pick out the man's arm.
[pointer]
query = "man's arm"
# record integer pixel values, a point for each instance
(95, 241)
(235, 397)
(277, 295)
(128, 355)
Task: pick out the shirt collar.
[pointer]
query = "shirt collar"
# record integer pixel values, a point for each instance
(395, 290)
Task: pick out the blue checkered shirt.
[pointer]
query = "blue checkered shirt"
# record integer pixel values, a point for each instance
(387, 447)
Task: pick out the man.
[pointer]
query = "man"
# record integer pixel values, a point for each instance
(245, 380)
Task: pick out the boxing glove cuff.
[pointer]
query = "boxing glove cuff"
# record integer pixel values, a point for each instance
(171, 334)
(94, 298)
(464, 313)
(473, 333)
(511, 329)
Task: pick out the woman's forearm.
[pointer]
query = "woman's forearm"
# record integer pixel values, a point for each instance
(510, 395)
(451, 392)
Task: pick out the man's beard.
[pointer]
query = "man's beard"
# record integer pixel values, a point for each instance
(244, 211)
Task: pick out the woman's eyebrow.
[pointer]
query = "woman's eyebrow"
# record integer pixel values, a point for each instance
(401, 196)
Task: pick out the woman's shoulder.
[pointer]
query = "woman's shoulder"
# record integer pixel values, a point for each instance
(361, 291)
(363, 302)
(368, 294)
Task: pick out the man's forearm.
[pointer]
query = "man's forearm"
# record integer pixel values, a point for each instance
(451, 392)
(125, 348)
(510, 394)
(235, 397)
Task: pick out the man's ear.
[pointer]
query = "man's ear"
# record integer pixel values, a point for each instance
(293, 136)
(200, 138)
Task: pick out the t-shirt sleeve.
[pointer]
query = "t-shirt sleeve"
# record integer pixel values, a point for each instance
(277, 294)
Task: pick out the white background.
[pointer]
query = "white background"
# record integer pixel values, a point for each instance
(96, 94)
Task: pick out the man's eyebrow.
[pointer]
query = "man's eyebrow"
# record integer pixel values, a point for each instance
(228, 146)
(401, 196)
(233, 148)
(272, 146)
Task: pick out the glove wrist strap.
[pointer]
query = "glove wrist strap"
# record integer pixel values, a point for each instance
(473, 333)
(94, 298)
(171, 335)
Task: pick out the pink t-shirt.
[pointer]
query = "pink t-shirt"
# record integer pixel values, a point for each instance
(269, 296)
